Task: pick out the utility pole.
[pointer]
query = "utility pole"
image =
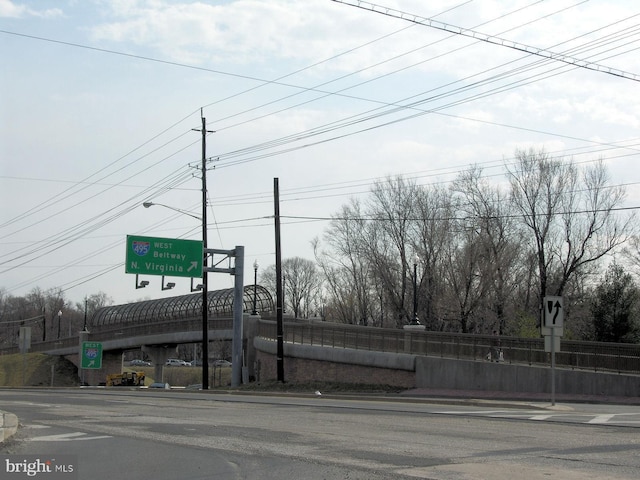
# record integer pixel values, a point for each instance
(279, 320)
(205, 276)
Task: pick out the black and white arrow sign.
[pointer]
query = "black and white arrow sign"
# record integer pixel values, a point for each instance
(553, 312)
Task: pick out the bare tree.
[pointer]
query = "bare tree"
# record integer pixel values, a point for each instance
(493, 245)
(632, 252)
(432, 234)
(346, 268)
(388, 242)
(569, 214)
(92, 303)
(301, 285)
(463, 277)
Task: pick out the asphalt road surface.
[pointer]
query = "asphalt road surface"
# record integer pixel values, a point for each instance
(170, 435)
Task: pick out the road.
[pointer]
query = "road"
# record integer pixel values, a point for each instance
(169, 435)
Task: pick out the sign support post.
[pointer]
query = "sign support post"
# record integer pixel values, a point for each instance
(237, 270)
(553, 366)
(553, 320)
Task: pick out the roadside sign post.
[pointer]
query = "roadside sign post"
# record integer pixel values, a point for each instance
(164, 256)
(553, 324)
(25, 345)
(25, 339)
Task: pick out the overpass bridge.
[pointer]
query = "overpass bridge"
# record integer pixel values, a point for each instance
(156, 327)
(324, 351)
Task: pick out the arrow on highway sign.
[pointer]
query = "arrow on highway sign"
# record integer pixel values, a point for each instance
(91, 355)
(553, 312)
(172, 257)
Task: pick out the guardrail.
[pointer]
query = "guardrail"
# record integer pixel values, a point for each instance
(597, 356)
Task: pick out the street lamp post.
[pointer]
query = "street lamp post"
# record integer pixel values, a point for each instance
(255, 287)
(414, 320)
(205, 289)
(205, 277)
(84, 327)
(59, 319)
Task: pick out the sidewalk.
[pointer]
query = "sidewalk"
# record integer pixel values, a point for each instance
(518, 396)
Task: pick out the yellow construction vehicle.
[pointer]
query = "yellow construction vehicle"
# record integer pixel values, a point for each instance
(125, 379)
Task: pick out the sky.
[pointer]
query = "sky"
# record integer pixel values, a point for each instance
(101, 100)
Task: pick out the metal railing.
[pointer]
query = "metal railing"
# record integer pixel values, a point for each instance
(597, 356)
(112, 332)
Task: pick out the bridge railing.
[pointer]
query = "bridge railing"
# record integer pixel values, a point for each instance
(622, 358)
(189, 324)
(113, 332)
(617, 357)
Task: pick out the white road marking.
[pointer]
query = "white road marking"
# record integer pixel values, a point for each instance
(541, 417)
(594, 419)
(601, 419)
(67, 437)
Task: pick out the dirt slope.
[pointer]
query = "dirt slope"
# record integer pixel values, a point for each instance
(37, 370)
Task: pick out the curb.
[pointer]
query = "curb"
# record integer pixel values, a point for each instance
(8, 425)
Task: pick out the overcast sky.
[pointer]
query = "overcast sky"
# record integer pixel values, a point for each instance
(99, 99)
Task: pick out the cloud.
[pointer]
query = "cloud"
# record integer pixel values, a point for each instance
(244, 32)
(9, 9)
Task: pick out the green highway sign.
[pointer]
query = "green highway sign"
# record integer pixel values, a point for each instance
(164, 256)
(91, 355)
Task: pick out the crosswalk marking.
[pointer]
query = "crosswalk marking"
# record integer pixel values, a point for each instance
(68, 437)
(541, 417)
(601, 419)
(628, 419)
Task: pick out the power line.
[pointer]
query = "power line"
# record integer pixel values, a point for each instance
(454, 218)
(428, 22)
(331, 93)
(266, 82)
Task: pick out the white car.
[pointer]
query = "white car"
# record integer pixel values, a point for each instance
(221, 363)
(175, 362)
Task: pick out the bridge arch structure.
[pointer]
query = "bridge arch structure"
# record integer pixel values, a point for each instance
(182, 307)
(158, 326)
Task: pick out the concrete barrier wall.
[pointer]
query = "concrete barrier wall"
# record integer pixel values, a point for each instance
(305, 363)
(434, 372)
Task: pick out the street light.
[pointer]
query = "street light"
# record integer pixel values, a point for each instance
(59, 318)
(414, 320)
(84, 327)
(255, 287)
(184, 212)
(205, 289)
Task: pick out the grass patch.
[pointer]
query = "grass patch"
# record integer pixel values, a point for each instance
(37, 370)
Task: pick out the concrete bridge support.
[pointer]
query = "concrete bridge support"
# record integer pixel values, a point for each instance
(250, 331)
(111, 363)
(159, 355)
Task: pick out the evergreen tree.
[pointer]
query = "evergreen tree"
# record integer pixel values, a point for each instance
(614, 307)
